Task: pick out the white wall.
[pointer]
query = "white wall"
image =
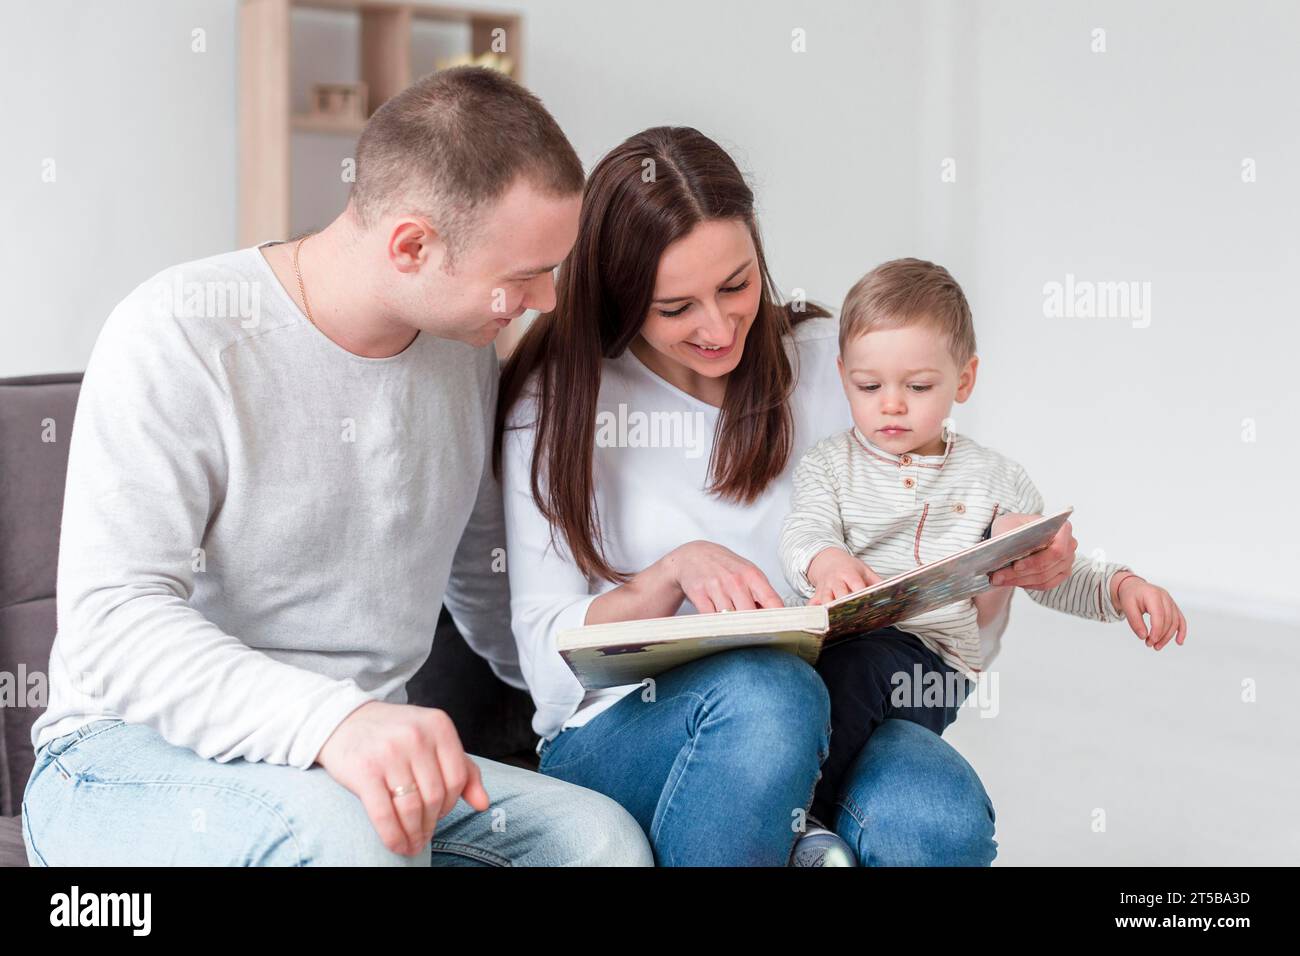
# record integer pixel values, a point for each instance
(1114, 166)
(142, 132)
(1127, 166)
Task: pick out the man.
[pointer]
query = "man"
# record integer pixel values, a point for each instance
(278, 475)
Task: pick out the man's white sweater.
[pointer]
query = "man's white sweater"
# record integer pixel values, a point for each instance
(260, 528)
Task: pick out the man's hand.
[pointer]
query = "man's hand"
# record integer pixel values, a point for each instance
(1043, 570)
(835, 573)
(381, 747)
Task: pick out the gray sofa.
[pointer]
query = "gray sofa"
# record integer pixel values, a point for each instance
(493, 718)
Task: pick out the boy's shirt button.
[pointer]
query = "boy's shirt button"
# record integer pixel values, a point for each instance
(959, 508)
(905, 460)
(908, 482)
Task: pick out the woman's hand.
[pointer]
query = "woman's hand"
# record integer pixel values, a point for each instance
(835, 573)
(1042, 570)
(715, 578)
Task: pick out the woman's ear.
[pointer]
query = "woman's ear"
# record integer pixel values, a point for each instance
(966, 381)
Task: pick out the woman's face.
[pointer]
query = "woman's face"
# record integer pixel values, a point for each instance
(706, 296)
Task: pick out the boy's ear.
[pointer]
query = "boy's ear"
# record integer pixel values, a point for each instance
(966, 381)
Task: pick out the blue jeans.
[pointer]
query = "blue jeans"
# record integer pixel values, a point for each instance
(862, 673)
(908, 798)
(718, 768)
(113, 793)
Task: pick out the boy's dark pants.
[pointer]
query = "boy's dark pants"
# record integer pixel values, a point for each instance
(859, 673)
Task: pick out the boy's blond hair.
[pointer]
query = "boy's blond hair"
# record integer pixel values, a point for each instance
(904, 292)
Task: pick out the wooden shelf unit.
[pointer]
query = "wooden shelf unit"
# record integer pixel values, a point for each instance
(266, 124)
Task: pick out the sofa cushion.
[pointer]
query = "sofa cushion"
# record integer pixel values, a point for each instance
(36, 414)
(25, 633)
(35, 425)
(13, 852)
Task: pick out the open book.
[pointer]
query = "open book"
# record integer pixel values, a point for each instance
(627, 652)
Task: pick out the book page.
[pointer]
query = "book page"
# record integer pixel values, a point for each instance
(946, 581)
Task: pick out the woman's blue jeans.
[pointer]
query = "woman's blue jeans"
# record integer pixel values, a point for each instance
(718, 759)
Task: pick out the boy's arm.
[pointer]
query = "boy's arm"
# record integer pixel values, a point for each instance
(814, 522)
(1086, 590)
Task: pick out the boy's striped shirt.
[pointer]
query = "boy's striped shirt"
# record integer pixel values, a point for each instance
(897, 512)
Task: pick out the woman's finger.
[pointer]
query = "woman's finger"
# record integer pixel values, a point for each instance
(717, 595)
(700, 598)
(762, 591)
(738, 593)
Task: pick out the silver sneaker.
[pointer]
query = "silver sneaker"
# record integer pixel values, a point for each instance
(818, 846)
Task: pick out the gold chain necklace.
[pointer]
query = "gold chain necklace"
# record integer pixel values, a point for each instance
(298, 272)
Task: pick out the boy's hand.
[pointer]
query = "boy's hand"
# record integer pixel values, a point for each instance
(1042, 570)
(836, 573)
(1135, 597)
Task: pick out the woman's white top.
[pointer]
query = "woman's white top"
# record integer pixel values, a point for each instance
(653, 443)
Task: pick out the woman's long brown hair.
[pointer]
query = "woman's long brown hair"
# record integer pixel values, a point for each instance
(644, 195)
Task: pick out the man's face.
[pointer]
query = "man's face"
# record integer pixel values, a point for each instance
(506, 267)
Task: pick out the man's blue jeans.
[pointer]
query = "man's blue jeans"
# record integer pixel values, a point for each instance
(720, 765)
(113, 793)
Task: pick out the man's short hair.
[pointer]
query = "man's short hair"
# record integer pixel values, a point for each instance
(453, 142)
(905, 292)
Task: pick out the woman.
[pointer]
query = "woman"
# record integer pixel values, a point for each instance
(667, 342)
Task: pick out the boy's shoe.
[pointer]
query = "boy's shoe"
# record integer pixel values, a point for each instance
(818, 846)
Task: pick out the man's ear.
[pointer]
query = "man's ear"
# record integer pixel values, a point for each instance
(413, 244)
(966, 381)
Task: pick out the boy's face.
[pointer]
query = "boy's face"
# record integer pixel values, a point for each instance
(901, 384)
